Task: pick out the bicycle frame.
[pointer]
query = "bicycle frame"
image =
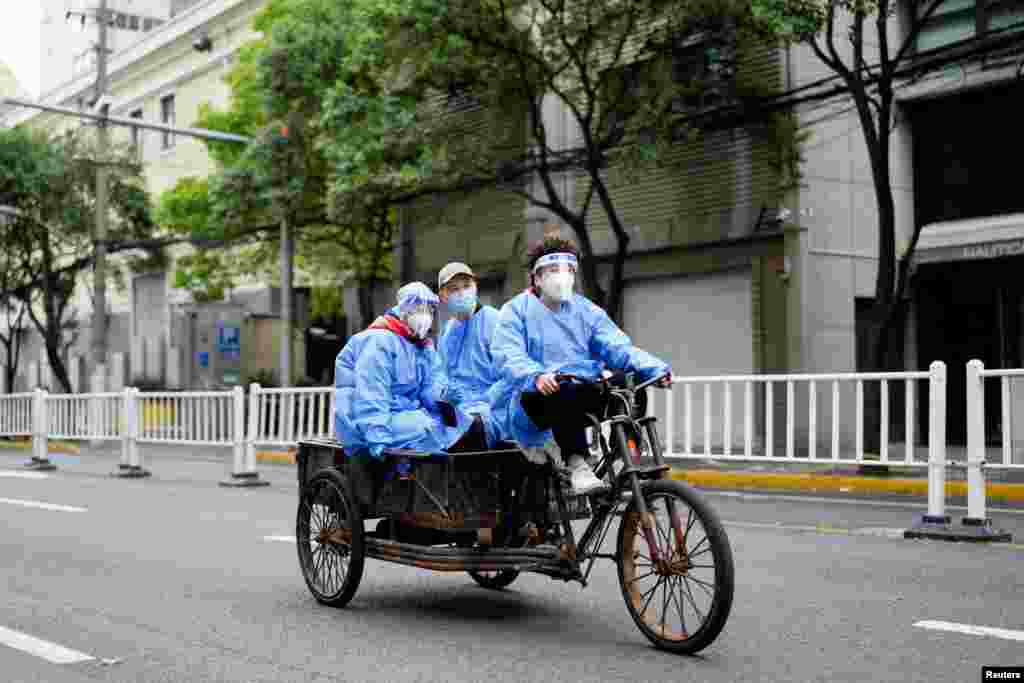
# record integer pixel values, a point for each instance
(627, 478)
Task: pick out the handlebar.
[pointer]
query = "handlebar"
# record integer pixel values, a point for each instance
(653, 380)
(604, 381)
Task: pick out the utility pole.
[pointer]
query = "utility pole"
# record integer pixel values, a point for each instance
(99, 319)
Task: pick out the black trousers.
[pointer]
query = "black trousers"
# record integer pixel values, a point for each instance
(474, 440)
(563, 413)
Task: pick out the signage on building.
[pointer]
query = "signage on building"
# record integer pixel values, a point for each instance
(971, 252)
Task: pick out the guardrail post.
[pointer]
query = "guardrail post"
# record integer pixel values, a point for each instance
(252, 431)
(935, 523)
(976, 524)
(131, 465)
(40, 460)
(241, 475)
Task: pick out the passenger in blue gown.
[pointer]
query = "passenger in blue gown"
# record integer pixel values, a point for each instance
(548, 329)
(388, 388)
(465, 345)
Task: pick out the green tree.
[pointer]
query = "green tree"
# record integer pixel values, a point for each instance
(609, 65)
(49, 182)
(284, 177)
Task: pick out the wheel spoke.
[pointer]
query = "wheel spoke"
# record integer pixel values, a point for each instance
(664, 604)
(639, 578)
(690, 552)
(651, 591)
(679, 606)
(693, 555)
(707, 587)
(693, 603)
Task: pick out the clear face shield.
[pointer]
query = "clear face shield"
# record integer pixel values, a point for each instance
(557, 276)
(419, 318)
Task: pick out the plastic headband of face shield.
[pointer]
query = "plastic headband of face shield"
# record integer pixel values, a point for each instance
(559, 259)
(411, 308)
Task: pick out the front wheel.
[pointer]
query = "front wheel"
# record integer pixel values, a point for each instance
(329, 534)
(681, 602)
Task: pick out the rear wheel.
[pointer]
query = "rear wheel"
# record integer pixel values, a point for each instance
(681, 602)
(329, 534)
(495, 580)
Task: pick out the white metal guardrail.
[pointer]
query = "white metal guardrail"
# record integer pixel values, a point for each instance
(16, 414)
(85, 416)
(287, 416)
(800, 418)
(757, 419)
(977, 374)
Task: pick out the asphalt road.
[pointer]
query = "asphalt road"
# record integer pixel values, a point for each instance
(174, 579)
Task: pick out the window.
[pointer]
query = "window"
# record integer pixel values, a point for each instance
(167, 117)
(136, 133)
(698, 67)
(957, 20)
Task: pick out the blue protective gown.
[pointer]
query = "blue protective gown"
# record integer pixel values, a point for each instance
(465, 350)
(386, 393)
(531, 339)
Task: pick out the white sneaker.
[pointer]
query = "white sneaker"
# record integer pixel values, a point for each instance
(583, 479)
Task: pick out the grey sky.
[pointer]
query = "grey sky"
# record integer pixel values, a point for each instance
(19, 40)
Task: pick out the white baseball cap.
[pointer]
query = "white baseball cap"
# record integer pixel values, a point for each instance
(451, 270)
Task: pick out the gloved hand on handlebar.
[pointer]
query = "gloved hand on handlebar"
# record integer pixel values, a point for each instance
(546, 383)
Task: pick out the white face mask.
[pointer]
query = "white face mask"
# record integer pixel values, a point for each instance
(558, 286)
(420, 324)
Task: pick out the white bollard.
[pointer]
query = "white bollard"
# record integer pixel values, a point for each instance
(40, 460)
(252, 432)
(975, 442)
(240, 476)
(937, 444)
(131, 464)
(976, 525)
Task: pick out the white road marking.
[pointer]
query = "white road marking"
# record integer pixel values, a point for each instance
(847, 501)
(968, 629)
(14, 474)
(282, 539)
(42, 506)
(41, 648)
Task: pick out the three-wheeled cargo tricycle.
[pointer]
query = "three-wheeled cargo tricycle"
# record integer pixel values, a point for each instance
(498, 513)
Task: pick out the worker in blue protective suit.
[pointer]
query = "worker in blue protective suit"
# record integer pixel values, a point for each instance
(389, 390)
(546, 330)
(465, 345)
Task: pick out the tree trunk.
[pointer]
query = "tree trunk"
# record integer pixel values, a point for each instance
(365, 289)
(57, 367)
(287, 317)
(588, 266)
(615, 291)
(12, 348)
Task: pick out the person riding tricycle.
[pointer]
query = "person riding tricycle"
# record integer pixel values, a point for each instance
(561, 366)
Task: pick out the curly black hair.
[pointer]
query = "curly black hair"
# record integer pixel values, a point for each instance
(550, 245)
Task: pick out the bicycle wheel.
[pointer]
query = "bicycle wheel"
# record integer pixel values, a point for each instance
(695, 573)
(495, 580)
(329, 535)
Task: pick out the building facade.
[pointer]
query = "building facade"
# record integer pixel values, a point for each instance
(157, 336)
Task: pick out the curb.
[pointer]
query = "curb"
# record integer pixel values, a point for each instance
(824, 483)
(52, 446)
(276, 457)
